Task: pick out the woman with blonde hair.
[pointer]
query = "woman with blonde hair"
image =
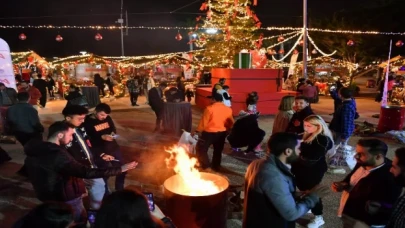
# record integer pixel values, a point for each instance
(311, 167)
(284, 115)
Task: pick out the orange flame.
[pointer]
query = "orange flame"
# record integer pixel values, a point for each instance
(185, 167)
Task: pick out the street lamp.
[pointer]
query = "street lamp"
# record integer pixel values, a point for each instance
(211, 31)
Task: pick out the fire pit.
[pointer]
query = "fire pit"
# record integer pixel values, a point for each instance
(199, 205)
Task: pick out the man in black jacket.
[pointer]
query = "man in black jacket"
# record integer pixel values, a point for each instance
(102, 133)
(80, 149)
(156, 102)
(56, 175)
(41, 85)
(369, 183)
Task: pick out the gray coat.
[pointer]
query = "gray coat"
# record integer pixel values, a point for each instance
(270, 196)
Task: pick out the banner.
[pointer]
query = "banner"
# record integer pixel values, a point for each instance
(6, 66)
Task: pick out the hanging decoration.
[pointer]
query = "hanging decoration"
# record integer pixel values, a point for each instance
(301, 42)
(98, 37)
(399, 43)
(281, 51)
(295, 52)
(178, 37)
(314, 52)
(280, 38)
(350, 43)
(59, 38)
(22, 36)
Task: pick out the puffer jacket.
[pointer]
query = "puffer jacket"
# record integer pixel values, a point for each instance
(56, 175)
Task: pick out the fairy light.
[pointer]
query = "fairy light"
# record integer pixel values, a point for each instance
(285, 40)
(290, 51)
(318, 49)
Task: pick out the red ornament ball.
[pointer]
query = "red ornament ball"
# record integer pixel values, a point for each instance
(98, 37)
(22, 36)
(399, 43)
(281, 51)
(178, 37)
(314, 52)
(301, 42)
(59, 38)
(295, 52)
(350, 43)
(280, 38)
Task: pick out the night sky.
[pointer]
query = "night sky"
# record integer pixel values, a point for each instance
(140, 41)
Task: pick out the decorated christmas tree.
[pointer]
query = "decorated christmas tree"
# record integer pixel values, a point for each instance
(229, 27)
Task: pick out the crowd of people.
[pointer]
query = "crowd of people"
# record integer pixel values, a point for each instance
(80, 153)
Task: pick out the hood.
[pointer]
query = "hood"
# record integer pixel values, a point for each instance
(36, 148)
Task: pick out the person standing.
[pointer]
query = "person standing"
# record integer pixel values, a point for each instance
(42, 86)
(311, 166)
(99, 82)
(133, 89)
(57, 176)
(369, 183)
(398, 170)
(270, 192)
(80, 149)
(303, 110)
(217, 119)
(33, 92)
(51, 85)
(156, 102)
(284, 115)
(149, 84)
(181, 88)
(102, 132)
(110, 83)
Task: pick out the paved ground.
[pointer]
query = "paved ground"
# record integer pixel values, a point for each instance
(135, 125)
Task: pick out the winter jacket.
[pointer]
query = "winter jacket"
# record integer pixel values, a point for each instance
(78, 151)
(343, 119)
(22, 117)
(299, 116)
(269, 196)
(56, 175)
(95, 129)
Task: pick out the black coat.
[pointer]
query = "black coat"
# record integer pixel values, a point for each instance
(300, 116)
(379, 186)
(312, 162)
(41, 85)
(56, 175)
(155, 99)
(78, 152)
(243, 130)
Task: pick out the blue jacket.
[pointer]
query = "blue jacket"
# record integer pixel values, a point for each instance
(343, 119)
(269, 196)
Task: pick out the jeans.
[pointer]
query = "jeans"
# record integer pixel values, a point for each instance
(120, 178)
(79, 212)
(217, 139)
(96, 190)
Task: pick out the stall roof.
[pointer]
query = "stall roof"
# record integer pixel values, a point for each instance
(80, 59)
(396, 61)
(19, 57)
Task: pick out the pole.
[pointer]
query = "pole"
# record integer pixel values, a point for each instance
(305, 39)
(121, 21)
(190, 38)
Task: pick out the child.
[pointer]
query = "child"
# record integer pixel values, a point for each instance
(225, 95)
(251, 102)
(284, 115)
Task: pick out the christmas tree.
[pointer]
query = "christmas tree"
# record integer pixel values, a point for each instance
(229, 27)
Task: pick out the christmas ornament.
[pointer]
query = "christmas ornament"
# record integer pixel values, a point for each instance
(295, 52)
(314, 52)
(59, 38)
(280, 38)
(98, 37)
(350, 43)
(22, 36)
(281, 51)
(399, 43)
(301, 42)
(178, 37)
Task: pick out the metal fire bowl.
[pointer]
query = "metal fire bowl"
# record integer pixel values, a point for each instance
(208, 211)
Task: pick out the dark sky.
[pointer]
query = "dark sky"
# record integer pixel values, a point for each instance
(139, 41)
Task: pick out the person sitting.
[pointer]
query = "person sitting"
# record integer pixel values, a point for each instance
(246, 132)
(133, 206)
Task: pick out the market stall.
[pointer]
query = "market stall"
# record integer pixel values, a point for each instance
(26, 63)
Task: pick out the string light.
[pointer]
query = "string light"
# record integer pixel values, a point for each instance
(290, 51)
(285, 40)
(99, 27)
(317, 48)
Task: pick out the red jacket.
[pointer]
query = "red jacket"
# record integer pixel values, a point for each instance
(34, 94)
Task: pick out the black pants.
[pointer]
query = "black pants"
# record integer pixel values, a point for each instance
(50, 90)
(120, 178)
(133, 97)
(111, 88)
(241, 139)
(101, 90)
(159, 117)
(217, 139)
(42, 100)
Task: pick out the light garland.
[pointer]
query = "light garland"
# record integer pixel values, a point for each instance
(317, 48)
(290, 51)
(157, 56)
(285, 40)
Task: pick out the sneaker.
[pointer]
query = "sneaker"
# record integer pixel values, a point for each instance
(316, 222)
